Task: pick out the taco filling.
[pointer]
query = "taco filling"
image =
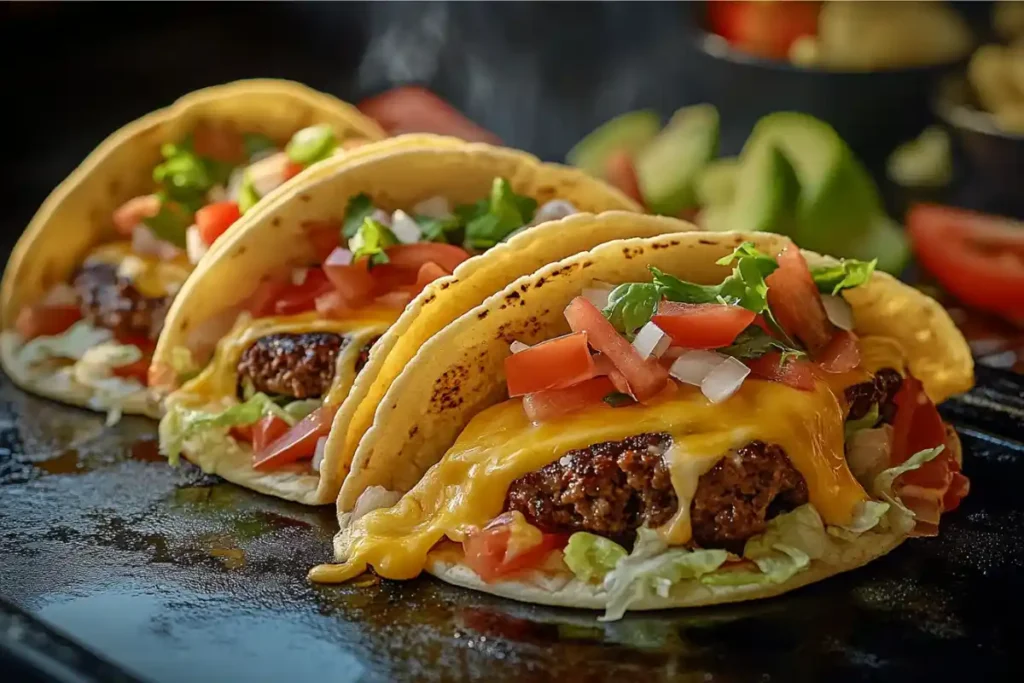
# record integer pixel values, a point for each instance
(276, 380)
(681, 437)
(100, 329)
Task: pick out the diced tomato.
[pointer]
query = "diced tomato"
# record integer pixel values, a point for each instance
(794, 373)
(763, 28)
(261, 302)
(213, 220)
(487, 551)
(333, 305)
(388, 277)
(428, 272)
(293, 299)
(976, 257)
(39, 320)
(220, 143)
(842, 354)
(958, 489)
(414, 256)
(138, 370)
(266, 431)
(395, 299)
(605, 368)
(702, 326)
(646, 377)
(324, 236)
(558, 362)
(414, 109)
(134, 211)
(546, 405)
(620, 172)
(141, 342)
(352, 280)
(297, 443)
(794, 299)
(291, 170)
(241, 433)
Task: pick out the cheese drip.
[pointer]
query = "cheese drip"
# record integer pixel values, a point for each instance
(219, 379)
(467, 488)
(153, 277)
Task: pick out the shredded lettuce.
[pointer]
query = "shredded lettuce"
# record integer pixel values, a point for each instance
(869, 420)
(847, 274)
(248, 197)
(653, 568)
(866, 516)
(371, 239)
(882, 486)
(181, 424)
(72, 344)
(183, 364)
(591, 557)
(300, 409)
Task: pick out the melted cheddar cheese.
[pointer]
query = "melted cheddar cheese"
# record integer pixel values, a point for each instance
(153, 277)
(219, 379)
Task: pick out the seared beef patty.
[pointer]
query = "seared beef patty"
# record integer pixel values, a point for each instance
(609, 488)
(612, 488)
(881, 390)
(113, 302)
(364, 353)
(736, 498)
(296, 365)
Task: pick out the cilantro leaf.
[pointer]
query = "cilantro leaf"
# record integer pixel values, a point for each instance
(754, 342)
(489, 221)
(448, 230)
(171, 222)
(617, 399)
(256, 143)
(371, 240)
(357, 210)
(846, 274)
(630, 306)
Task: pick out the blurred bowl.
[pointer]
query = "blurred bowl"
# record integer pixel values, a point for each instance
(991, 160)
(874, 111)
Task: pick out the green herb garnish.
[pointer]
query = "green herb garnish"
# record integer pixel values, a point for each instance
(358, 209)
(370, 241)
(846, 274)
(617, 399)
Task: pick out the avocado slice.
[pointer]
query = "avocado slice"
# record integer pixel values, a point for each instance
(766, 193)
(716, 184)
(630, 131)
(667, 168)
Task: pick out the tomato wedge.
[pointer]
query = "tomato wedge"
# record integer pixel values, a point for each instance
(794, 299)
(213, 220)
(842, 354)
(352, 280)
(487, 551)
(261, 301)
(702, 326)
(292, 299)
(546, 405)
(794, 373)
(139, 370)
(323, 236)
(977, 257)
(646, 378)
(620, 172)
(414, 109)
(40, 320)
(763, 28)
(297, 443)
(414, 256)
(427, 273)
(218, 142)
(558, 362)
(291, 169)
(266, 431)
(133, 211)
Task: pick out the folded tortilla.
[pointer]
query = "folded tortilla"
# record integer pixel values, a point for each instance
(76, 216)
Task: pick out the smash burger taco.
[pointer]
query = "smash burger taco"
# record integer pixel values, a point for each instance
(328, 290)
(682, 420)
(88, 285)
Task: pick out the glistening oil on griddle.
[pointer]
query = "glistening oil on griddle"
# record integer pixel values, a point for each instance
(177, 576)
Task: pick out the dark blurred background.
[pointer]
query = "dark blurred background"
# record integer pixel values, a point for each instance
(540, 75)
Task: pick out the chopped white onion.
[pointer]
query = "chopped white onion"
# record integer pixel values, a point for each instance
(651, 341)
(61, 294)
(374, 498)
(405, 228)
(263, 154)
(553, 211)
(597, 293)
(318, 454)
(517, 346)
(266, 175)
(381, 216)
(299, 276)
(724, 380)
(217, 193)
(195, 247)
(145, 243)
(838, 311)
(235, 181)
(693, 366)
(433, 207)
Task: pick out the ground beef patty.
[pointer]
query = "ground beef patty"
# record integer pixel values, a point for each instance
(110, 301)
(364, 353)
(614, 487)
(609, 488)
(736, 498)
(881, 390)
(296, 365)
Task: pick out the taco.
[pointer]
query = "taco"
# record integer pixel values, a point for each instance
(688, 419)
(88, 285)
(330, 289)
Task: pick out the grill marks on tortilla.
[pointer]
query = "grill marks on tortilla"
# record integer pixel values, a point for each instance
(614, 487)
(299, 366)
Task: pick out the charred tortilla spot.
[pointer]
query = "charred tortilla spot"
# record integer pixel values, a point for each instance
(446, 394)
(413, 430)
(587, 264)
(240, 252)
(445, 285)
(710, 243)
(114, 188)
(513, 295)
(185, 324)
(430, 297)
(482, 314)
(276, 222)
(537, 285)
(304, 197)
